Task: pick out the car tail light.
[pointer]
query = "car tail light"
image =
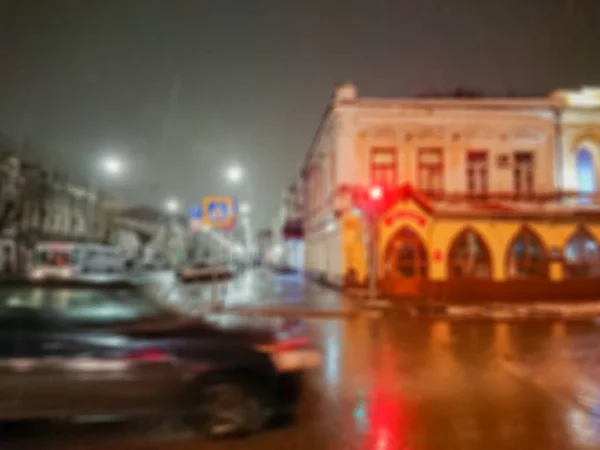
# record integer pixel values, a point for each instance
(292, 344)
(147, 355)
(284, 345)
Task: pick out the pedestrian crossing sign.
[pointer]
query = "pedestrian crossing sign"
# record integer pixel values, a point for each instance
(219, 212)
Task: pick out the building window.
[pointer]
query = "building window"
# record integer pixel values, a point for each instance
(406, 255)
(523, 173)
(384, 166)
(477, 172)
(469, 256)
(430, 170)
(582, 255)
(527, 257)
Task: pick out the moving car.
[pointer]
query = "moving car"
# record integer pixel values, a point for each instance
(204, 271)
(156, 261)
(71, 349)
(61, 259)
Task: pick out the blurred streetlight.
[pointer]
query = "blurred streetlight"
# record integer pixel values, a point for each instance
(112, 166)
(172, 205)
(245, 208)
(234, 174)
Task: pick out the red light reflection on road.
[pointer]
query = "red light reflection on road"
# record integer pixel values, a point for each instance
(388, 411)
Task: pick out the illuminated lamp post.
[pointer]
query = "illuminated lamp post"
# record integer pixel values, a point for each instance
(111, 167)
(375, 195)
(371, 202)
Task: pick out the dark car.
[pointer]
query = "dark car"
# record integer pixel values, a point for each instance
(204, 271)
(70, 349)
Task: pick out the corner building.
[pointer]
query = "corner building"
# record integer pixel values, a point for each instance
(485, 197)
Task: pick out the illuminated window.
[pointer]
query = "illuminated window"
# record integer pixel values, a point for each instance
(523, 173)
(430, 170)
(477, 172)
(586, 174)
(384, 166)
(527, 257)
(582, 255)
(469, 257)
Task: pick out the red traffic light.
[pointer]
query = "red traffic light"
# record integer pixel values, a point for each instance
(375, 193)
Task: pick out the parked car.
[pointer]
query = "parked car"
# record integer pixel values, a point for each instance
(75, 349)
(63, 259)
(204, 271)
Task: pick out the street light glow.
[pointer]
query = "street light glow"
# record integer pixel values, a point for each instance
(234, 174)
(172, 205)
(245, 208)
(112, 166)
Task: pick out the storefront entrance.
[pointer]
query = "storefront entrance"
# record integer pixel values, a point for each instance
(405, 266)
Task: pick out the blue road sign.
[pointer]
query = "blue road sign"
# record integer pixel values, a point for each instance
(219, 211)
(195, 212)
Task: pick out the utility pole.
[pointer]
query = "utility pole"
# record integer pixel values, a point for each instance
(371, 203)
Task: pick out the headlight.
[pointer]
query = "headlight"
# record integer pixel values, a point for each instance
(292, 355)
(296, 360)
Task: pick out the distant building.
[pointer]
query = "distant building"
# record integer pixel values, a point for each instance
(288, 235)
(37, 205)
(265, 244)
(485, 197)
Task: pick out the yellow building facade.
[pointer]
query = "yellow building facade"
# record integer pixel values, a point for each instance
(419, 246)
(480, 192)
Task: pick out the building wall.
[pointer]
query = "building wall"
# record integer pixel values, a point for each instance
(438, 235)
(455, 132)
(339, 161)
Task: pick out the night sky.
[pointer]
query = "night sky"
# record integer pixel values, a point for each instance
(182, 89)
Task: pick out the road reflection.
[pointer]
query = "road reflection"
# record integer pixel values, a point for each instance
(395, 383)
(445, 385)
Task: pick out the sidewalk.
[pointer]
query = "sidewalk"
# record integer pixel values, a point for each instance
(419, 306)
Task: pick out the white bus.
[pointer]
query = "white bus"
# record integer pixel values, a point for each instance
(70, 259)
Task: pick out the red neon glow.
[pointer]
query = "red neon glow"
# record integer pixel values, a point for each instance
(419, 219)
(437, 255)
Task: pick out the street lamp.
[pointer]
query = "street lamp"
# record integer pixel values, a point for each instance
(172, 205)
(234, 174)
(245, 208)
(112, 166)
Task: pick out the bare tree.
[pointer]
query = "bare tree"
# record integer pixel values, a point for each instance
(12, 184)
(36, 193)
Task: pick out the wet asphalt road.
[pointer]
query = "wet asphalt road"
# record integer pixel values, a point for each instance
(399, 383)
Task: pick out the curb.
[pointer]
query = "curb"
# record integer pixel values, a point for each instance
(502, 313)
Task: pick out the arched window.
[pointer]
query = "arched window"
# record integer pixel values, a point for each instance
(469, 256)
(582, 255)
(526, 256)
(586, 174)
(406, 255)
